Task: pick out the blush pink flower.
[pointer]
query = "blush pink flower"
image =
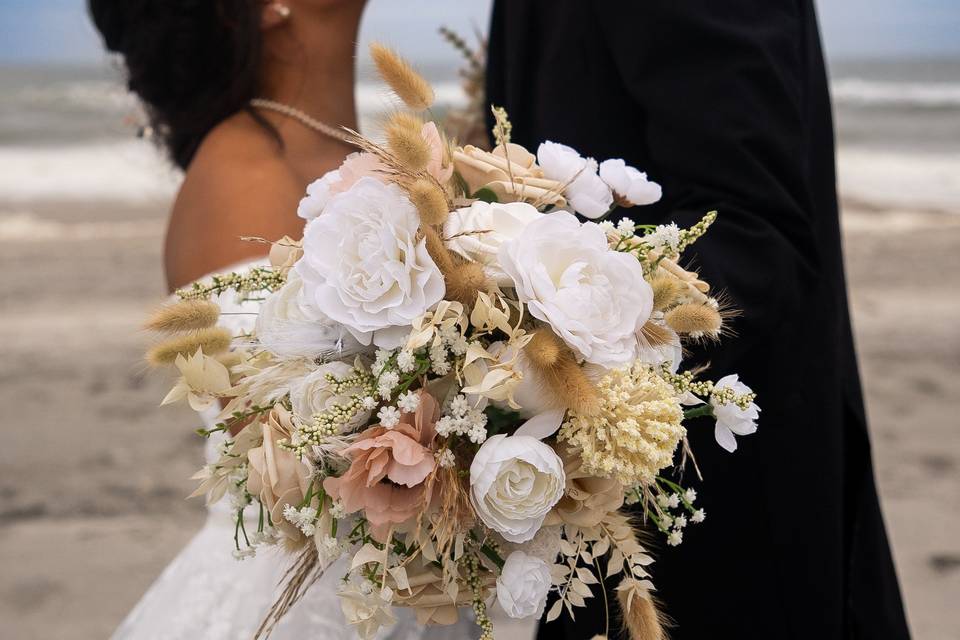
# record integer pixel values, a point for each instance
(388, 468)
(436, 167)
(360, 164)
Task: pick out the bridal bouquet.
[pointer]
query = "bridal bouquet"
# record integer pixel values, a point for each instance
(456, 384)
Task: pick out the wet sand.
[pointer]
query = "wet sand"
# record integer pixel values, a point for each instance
(94, 474)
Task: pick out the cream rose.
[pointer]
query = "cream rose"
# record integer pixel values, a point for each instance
(284, 253)
(313, 393)
(476, 232)
(629, 184)
(511, 173)
(587, 499)
(523, 585)
(586, 192)
(365, 267)
(288, 328)
(514, 482)
(277, 476)
(595, 298)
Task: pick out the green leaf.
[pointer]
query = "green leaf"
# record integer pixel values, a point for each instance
(486, 195)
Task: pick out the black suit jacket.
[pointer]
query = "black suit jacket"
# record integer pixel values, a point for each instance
(726, 105)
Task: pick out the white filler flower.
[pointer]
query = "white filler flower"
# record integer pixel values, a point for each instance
(288, 328)
(514, 482)
(476, 232)
(595, 298)
(628, 183)
(731, 419)
(314, 393)
(364, 267)
(523, 585)
(585, 191)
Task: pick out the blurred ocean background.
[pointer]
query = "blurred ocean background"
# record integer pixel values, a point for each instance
(67, 126)
(94, 474)
(70, 132)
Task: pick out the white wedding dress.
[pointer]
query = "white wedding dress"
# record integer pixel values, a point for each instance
(205, 594)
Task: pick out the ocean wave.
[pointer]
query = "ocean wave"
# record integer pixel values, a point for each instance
(109, 96)
(128, 171)
(907, 181)
(863, 92)
(26, 226)
(89, 95)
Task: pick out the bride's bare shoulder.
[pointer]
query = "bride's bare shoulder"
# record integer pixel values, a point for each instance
(238, 184)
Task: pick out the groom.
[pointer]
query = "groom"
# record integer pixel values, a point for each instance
(726, 105)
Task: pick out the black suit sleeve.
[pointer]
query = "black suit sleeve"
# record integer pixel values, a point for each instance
(725, 131)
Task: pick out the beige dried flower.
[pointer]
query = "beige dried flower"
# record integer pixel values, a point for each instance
(587, 499)
(636, 430)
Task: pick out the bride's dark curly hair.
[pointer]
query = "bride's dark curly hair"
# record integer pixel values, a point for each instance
(193, 63)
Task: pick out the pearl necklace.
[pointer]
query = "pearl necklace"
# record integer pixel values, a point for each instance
(302, 118)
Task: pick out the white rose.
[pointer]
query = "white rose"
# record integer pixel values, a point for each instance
(289, 329)
(476, 232)
(523, 585)
(628, 183)
(593, 297)
(364, 267)
(514, 483)
(585, 191)
(731, 419)
(313, 394)
(318, 195)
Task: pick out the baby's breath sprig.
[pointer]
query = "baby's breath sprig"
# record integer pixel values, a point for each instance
(479, 605)
(694, 233)
(358, 388)
(257, 279)
(684, 381)
(502, 127)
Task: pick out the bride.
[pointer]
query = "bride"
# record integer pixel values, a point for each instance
(247, 97)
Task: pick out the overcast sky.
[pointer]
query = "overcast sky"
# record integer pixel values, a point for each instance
(58, 30)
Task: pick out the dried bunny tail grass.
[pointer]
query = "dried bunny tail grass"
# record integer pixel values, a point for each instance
(666, 290)
(640, 614)
(430, 201)
(299, 577)
(187, 315)
(561, 374)
(544, 350)
(409, 85)
(211, 341)
(438, 250)
(406, 142)
(695, 320)
(464, 281)
(656, 335)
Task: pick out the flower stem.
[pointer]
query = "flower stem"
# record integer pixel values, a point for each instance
(696, 412)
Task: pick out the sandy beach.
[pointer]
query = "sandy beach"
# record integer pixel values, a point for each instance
(94, 475)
